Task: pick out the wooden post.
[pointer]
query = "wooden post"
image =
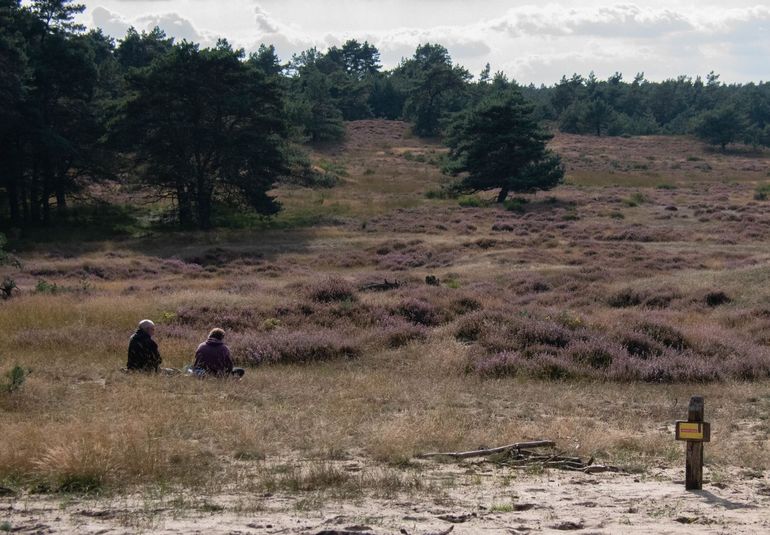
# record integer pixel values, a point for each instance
(694, 466)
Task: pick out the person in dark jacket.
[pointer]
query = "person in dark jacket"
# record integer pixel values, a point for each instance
(213, 357)
(143, 354)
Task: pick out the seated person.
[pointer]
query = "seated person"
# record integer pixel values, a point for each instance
(143, 354)
(213, 357)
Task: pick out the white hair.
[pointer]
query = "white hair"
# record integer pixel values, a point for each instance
(146, 324)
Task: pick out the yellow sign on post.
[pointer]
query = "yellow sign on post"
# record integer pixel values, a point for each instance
(693, 431)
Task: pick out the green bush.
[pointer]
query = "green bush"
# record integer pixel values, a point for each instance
(7, 287)
(636, 199)
(15, 379)
(762, 193)
(334, 168)
(516, 204)
(441, 193)
(45, 287)
(470, 202)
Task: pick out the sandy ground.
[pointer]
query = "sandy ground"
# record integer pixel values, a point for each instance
(481, 498)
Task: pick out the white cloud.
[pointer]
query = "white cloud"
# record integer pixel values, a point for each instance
(175, 26)
(111, 23)
(531, 42)
(621, 20)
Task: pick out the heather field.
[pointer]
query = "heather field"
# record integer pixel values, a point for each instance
(587, 315)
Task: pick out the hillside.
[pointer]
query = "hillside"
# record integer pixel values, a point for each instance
(586, 315)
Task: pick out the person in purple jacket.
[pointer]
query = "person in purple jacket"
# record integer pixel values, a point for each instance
(213, 357)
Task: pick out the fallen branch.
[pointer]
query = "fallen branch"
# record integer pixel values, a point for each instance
(492, 451)
(380, 286)
(520, 456)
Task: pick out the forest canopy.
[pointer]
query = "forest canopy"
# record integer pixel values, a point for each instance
(202, 126)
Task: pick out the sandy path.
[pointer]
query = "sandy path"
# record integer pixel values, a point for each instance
(483, 500)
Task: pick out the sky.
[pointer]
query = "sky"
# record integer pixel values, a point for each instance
(532, 42)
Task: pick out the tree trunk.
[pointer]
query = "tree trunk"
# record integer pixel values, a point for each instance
(15, 179)
(13, 201)
(185, 208)
(45, 196)
(24, 200)
(203, 196)
(204, 209)
(45, 201)
(61, 198)
(34, 197)
(503, 194)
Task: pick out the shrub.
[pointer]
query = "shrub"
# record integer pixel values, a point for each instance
(639, 344)
(569, 319)
(661, 297)
(639, 233)
(464, 305)
(397, 333)
(636, 199)
(85, 483)
(297, 347)
(551, 368)
(7, 287)
(516, 204)
(624, 298)
(470, 202)
(16, 378)
(657, 298)
(442, 193)
(762, 193)
(598, 354)
(498, 332)
(271, 323)
(332, 167)
(665, 334)
(45, 287)
(332, 289)
(716, 298)
(227, 317)
(538, 332)
(503, 364)
(419, 312)
(502, 227)
(471, 327)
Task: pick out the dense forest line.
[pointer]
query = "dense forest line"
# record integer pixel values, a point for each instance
(206, 125)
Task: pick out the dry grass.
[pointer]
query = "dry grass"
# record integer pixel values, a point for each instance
(79, 424)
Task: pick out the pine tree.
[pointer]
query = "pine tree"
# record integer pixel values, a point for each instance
(498, 145)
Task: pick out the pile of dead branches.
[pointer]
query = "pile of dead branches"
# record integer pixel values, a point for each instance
(523, 455)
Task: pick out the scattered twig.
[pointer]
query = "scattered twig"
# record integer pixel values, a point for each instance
(519, 455)
(492, 451)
